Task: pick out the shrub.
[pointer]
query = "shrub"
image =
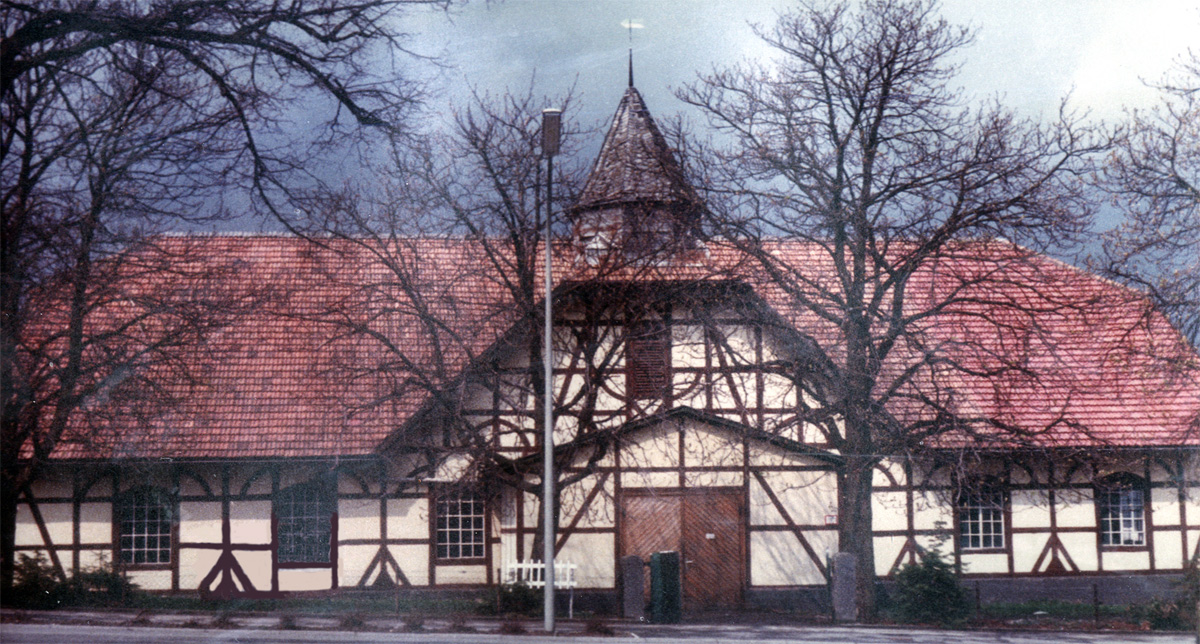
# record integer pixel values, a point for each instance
(36, 585)
(929, 592)
(1165, 614)
(519, 599)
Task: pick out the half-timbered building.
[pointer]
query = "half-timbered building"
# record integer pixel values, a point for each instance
(354, 433)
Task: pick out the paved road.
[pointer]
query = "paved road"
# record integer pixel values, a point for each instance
(80, 634)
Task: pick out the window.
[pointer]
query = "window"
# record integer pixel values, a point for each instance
(981, 519)
(647, 358)
(304, 516)
(145, 517)
(459, 527)
(1121, 505)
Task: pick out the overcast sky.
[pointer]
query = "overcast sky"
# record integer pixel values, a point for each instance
(1030, 53)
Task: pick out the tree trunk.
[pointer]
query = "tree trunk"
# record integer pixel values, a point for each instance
(8, 538)
(855, 534)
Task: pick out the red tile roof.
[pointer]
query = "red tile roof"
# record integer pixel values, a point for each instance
(1093, 366)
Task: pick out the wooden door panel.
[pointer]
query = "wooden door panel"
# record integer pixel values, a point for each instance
(713, 550)
(649, 524)
(713, 568)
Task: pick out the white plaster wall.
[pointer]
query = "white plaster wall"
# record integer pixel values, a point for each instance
(886, 551)
(95, 522)
(51, 486)
(101, 488)
(200, 522)
(655, 447)
(58, 520)
(1164, 506)
(353, 562)
(461, 575)
(408, 518)
(301, 579)
(807, 497)
(188, 486)
(1030, 509)
(595, 556)
(649, 479)
(98, 558)
(693, 478)
(930, 511)
(778, 392)
(1026, 549)
(27, 531)
(744, 385)
(778, 559)
(249, 522)
(889, 510)
(1167, 553)
(709, 447)
(1127, 560)
(1077, 509)
(150, 579)
(599, 513)
(257, 566)
(413, 561)
(975, 564)
(358, 519)
(687, 345)
(1082, 548)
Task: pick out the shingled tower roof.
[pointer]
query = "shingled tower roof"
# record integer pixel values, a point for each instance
(635, 164)
(636, 193)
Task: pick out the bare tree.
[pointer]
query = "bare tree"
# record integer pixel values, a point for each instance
(1153, 176)
(452, 309)
(125, 119)
(851, 146)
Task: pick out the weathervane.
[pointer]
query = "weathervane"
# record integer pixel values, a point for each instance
(631, 25)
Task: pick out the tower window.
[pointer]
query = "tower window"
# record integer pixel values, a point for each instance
(647, 359)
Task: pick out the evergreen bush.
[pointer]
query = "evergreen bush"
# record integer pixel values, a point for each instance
(929, 592)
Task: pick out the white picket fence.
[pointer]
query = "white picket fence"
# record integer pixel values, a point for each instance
(533, 574)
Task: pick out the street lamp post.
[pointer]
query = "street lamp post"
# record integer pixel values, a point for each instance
(551, 126)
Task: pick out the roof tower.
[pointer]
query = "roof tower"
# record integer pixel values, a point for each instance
(636, 198)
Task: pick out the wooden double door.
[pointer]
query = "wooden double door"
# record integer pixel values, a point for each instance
(706, 526)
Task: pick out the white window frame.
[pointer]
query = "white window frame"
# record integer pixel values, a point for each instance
(981, 520)
(145, 526)
(460, 527)
(1121, 515)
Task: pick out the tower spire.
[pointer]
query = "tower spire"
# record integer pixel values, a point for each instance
(631, 66)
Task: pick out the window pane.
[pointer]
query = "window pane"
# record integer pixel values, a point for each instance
(460, 527)
(1122, 520)
(981, 520)
(145, 527)
(304, 519)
